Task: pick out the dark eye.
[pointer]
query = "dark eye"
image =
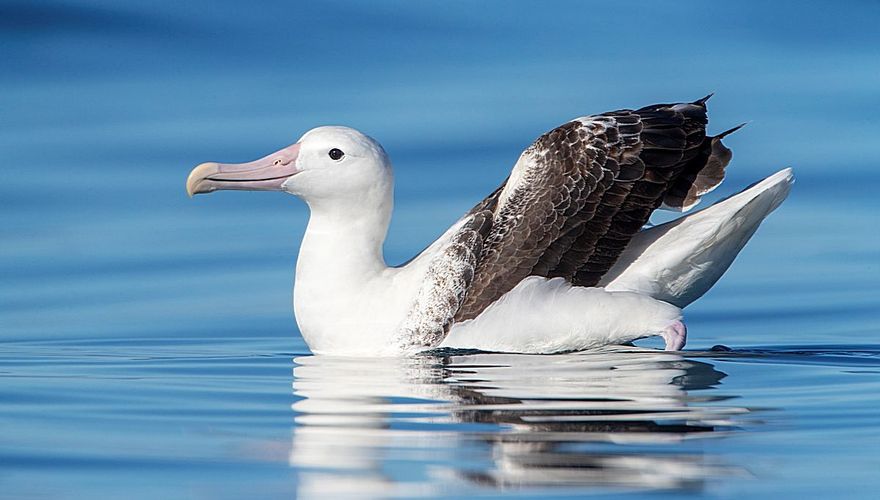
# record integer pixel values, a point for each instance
(336, 154)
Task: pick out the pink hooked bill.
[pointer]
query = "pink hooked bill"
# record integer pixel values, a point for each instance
(266, 174)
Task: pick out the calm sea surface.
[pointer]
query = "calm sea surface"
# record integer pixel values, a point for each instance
(147, 343)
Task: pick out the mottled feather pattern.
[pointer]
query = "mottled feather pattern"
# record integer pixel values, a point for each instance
(572, 203)
(672, 139)
(568, 253)
(556, 184)
(446, 283)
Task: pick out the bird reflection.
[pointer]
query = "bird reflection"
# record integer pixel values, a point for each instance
(440, 423)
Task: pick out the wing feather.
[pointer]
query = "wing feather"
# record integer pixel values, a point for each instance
(446, 283)
(682, 164)
(556, 186)
(572, 202)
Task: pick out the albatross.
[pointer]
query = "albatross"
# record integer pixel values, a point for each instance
(561, 257)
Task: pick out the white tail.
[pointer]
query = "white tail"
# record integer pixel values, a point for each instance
(679, 261)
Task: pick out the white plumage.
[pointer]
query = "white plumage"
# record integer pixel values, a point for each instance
(679, 261)
(663, 268)
(521, 271)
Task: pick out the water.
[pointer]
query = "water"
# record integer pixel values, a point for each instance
(147, 348)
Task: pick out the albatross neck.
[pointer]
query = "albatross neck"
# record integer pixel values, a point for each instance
(346, 237)
(341, 272)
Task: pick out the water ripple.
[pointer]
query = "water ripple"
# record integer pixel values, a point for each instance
(617, 417)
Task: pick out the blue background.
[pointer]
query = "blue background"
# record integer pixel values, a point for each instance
(105, 107)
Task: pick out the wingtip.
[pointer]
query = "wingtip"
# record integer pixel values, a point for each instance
(780, 184)
(784, 177)
(787, 173)
(727, 132)
(702, 101)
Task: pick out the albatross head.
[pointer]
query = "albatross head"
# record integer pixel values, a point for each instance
(326, 164)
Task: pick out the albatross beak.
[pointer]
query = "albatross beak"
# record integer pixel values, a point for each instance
(266, 174)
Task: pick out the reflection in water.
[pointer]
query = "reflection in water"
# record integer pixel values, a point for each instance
(618, 417)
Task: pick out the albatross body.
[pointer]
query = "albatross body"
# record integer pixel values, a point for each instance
(556, 259)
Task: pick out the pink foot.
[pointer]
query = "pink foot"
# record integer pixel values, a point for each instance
(675, 336)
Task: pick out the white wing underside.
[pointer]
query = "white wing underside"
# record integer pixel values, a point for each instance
(677, 262)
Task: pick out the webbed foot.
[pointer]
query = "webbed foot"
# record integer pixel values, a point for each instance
(675, 336)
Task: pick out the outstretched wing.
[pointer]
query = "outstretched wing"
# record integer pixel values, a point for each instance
(573, 200)
(681, 165)
(556, 186)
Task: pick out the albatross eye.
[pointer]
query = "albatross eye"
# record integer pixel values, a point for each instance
(336, 154)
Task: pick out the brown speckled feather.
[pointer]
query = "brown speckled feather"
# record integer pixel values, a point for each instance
(447, 281)
(573, 201)
(556, 185)
(681, 164)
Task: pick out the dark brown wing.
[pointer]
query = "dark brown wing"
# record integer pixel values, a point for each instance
(681, 164)
(702, 175)
(573, 201)
(557, 185)
(575, 245)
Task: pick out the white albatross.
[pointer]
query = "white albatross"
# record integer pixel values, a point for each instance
(556, 259)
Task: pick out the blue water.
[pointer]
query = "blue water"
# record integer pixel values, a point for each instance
(147, 344)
